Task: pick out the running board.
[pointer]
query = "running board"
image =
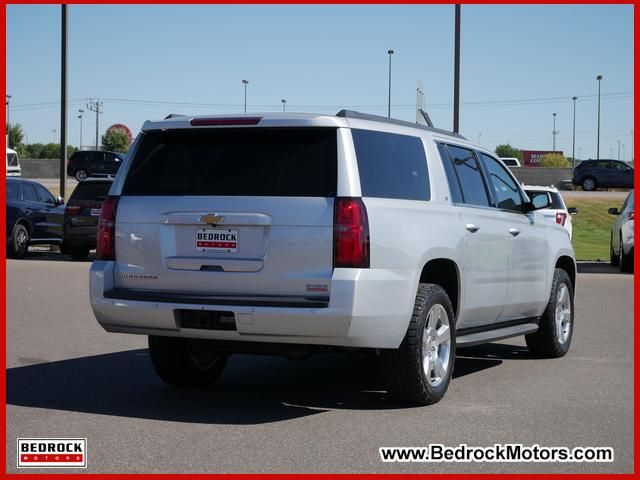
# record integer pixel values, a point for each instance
(471, 339)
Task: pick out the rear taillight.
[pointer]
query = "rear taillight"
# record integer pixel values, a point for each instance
(106, 239)
(561, 218)
(350, 233)
(72, 209)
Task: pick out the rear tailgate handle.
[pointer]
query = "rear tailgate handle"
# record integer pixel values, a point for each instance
(221, 218)
(213, 264)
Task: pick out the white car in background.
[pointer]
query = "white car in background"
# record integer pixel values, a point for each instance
(557, 212)
(13, 164)
(511, 162)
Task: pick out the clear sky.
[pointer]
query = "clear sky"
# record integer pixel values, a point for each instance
(520, 64)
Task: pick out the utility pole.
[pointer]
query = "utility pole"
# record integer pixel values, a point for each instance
(456, 73)
(245, 82)
(599, 79)
(95, 106)
(555, 132)
(573, 154)
(618, 149)
(80, 117)
(7, 98)
(63, 102)
(389, 52)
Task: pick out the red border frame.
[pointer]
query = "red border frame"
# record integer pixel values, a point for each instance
(377, 476)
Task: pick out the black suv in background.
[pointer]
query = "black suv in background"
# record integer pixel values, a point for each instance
(34, 217)
(91, 163)
(81, 217)
(593, 174)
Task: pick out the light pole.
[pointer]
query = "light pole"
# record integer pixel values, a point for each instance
(554, 132)
(479, 137)
(618, 149)
(599, 79)
(456, 70)
(624, 155)
(7, 98)
(573, 152)
(390, 52)
(284, 103)
(80, 117)
(245, 82)
(632, 145)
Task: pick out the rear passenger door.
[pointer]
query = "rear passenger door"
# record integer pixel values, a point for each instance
(527, 249)
(485, 270)
(53, 213)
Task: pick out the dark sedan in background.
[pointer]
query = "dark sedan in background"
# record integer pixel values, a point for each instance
(34, 217)
(92, 163)
(594, 174)
(81, 217)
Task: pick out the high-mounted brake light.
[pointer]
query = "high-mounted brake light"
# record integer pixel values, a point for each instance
(350, 233)
(106, 239)
(212, 122)
(561, 218)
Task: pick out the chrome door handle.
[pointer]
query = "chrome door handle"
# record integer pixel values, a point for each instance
(472, 227)
(514, 231)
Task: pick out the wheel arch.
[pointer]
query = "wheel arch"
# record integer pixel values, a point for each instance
(568, 264)
(446, 273)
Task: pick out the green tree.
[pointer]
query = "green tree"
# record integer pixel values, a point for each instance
(554, 160)
(50, 150)
(115, 140)
(15, 135)
(506, 150)
(33, 150)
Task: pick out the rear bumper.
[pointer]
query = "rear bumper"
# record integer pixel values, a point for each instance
(368, 308)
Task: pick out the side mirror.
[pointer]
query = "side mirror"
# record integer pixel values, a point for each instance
(572, 210)
(613, 211)
(59, 200)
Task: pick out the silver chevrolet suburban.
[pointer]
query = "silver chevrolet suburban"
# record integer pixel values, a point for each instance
(293, 233)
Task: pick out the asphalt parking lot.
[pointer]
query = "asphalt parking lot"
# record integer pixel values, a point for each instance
(66, 377)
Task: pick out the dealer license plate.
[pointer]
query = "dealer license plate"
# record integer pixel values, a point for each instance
(216, 240)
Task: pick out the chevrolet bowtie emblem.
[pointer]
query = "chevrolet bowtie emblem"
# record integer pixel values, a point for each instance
(212, 219)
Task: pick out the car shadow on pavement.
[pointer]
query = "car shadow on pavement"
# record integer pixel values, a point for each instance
(598, 267)
(252, 389)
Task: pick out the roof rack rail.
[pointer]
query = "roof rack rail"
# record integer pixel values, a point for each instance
(378, 118)
(174, 115)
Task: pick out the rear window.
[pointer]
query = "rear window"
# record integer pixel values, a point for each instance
(264, 162)
(391, 165)
(90, 191)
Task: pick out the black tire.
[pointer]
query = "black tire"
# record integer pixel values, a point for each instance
(19, 244)
(78, 253)
(547, 342)
(174, 360)
(403, 368)
(626, 259)
(81, 174)
(589, 184)
(613, 258)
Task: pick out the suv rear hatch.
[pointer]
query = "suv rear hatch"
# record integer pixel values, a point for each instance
(245, 212)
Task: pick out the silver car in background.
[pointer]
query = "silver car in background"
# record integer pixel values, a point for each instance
(622, 235)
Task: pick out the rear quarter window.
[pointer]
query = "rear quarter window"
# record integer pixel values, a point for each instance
(391, 165)
(264, 162)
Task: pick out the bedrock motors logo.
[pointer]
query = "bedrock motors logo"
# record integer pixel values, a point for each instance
(52, 453)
